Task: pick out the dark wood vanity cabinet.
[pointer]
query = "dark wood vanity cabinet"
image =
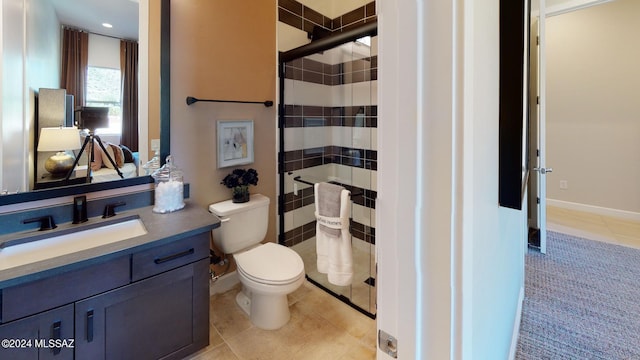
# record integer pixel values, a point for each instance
(159, 317)
(162, 312)
(35, 337)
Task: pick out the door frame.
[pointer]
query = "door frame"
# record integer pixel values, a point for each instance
(537, 132)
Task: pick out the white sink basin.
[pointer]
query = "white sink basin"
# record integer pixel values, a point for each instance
(92, 235)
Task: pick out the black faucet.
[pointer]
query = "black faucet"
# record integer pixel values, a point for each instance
(46, 222)
(79, 209)
(109, 209)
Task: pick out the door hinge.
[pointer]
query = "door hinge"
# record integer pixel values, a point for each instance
(388, 344)
(538, 152)
(538, 200)
(537, 40)
(538, 100)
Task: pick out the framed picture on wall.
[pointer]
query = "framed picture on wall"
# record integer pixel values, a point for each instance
(513, 166)
(235, 142)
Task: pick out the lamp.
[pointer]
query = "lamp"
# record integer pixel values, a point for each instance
(59, 139)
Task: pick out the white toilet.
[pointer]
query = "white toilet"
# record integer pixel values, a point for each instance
(268, 272)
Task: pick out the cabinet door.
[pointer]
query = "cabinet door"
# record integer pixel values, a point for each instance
(164, 316)
(48, 335)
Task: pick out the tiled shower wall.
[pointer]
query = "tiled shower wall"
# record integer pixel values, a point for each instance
(304, 18)
(330, 125)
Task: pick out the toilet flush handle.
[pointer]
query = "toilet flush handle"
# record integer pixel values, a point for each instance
(222, 220)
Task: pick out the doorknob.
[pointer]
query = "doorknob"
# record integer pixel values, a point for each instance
(543, 170)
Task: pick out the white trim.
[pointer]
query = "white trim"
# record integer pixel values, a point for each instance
(143, 81)
(26, 123)
(542, 128)
(573, 6)
(569, 6)
(396, 303)
(225, 283)
(616, 213)
(516, 326)
(1, 95)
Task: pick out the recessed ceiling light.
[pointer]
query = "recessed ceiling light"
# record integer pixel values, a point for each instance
(107, 25)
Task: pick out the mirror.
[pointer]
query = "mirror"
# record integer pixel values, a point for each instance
(144, 143)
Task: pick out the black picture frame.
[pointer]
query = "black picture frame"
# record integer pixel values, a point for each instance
(513, 173)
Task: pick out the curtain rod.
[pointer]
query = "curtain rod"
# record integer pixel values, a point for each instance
(95, 33)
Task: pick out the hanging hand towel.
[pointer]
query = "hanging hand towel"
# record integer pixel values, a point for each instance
(333, 240)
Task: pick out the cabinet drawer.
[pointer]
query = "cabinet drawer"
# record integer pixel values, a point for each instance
(47, 293)
(166, 257)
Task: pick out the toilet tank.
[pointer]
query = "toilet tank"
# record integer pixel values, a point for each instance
(242, 225)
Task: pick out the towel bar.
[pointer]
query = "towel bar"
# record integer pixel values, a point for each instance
(299, 179)
(191, 100)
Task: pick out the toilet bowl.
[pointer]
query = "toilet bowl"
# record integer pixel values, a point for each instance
(268, 272)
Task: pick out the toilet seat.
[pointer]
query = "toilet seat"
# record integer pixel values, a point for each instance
(270, 264)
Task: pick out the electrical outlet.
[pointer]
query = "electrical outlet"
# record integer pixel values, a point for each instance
(155, 144)
(564, 184)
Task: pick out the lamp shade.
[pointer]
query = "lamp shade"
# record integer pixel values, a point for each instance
(59, 139)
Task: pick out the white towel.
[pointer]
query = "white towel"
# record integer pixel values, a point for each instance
(334, 255)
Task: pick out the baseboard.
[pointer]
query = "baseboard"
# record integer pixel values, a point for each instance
(224, 283)
(516, 326)
(621, 214)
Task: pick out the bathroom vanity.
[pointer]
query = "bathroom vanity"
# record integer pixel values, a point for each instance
(145, 297)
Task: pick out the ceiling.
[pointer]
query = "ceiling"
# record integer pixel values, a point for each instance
(123, 14)
(90, 14)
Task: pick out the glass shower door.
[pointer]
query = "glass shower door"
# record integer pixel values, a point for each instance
(329, 136)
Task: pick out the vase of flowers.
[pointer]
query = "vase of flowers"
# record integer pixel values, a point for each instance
(239, 181)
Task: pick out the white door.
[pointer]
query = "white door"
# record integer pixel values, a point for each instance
(538, 163)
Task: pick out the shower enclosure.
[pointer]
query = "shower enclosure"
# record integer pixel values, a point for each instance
(327, 127)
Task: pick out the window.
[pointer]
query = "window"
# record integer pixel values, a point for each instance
(103, 89)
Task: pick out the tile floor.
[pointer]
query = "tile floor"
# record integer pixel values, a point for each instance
(321, 327)
(594, 227)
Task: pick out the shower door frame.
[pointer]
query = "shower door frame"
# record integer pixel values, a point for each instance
(326, 43)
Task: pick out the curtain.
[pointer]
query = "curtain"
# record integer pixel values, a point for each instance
(129, 73)
(75, 57)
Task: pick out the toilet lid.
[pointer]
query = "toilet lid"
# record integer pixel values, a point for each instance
(270, 263)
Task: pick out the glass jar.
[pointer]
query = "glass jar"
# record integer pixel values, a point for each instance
(168, 188)
(152, 165)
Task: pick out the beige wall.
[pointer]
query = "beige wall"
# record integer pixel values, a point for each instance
(593, 118)
(223, 50)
